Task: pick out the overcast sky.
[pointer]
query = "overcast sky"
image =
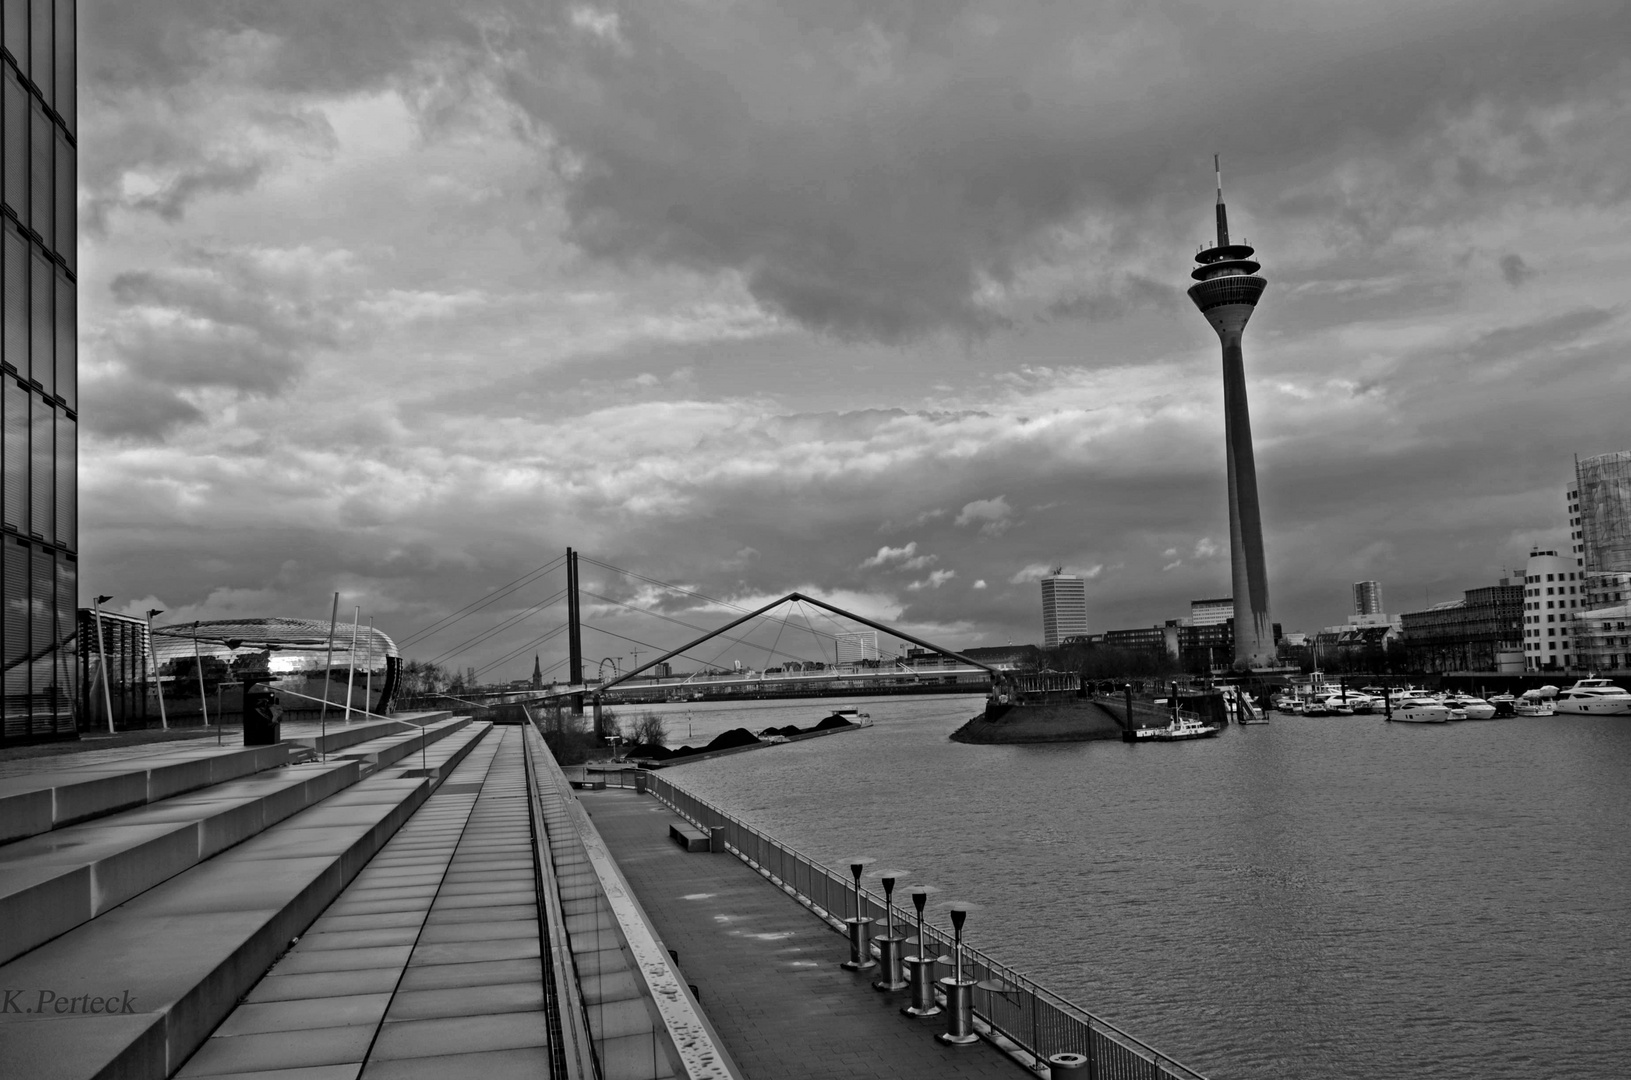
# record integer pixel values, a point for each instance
(882, 301)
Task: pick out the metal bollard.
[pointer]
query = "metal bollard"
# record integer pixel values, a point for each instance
(640, 779)
(890, 945)
(860, 956)
(716, 838)
(921, 966)
(1067, 1064)
(959, 993)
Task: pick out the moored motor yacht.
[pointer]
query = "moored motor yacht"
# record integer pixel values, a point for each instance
(1534, 703)
(1420, 710)
(1473, 708)
(1593, 697)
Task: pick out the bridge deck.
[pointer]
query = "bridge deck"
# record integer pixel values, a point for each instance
(766, 970)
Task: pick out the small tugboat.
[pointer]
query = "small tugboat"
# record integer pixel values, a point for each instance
(1184, 727)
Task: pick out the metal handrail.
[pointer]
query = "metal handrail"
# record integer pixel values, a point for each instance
(572, 1051)
(1038, 1021)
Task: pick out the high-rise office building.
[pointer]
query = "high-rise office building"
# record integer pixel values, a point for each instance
(1211, 612)
(1367, 598)
(1064, 607)
(856, 646)
(39, 407)
(1226, 291)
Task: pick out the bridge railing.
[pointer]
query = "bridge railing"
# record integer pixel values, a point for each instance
(1010, 1005)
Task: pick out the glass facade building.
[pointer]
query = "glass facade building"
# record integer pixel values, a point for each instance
(39, 409)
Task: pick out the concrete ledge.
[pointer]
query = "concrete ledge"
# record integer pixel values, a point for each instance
(188, 949)
(689, 838)
(31, 804)
(52, 883)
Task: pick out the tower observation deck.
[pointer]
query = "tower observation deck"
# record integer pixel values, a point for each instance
(1226, 291)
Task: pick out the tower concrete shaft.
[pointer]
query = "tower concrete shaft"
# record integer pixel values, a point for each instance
(1226, 291)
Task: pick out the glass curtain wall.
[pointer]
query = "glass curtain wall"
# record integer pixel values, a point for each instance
(38, 381)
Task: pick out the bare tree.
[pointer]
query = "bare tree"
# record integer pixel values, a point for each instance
(649, 730)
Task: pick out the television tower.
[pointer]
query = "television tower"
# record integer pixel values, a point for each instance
(1226, 291)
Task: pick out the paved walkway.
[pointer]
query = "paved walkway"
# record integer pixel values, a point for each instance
(766, 970)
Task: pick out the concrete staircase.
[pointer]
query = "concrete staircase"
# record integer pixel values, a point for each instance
(141, 898)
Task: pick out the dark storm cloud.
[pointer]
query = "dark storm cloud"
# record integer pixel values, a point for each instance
(243, 322)
(1515, 270)
(872, 170)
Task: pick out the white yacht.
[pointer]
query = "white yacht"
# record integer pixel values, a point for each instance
(1420, 709)
(1475, 708)
(1593, 697)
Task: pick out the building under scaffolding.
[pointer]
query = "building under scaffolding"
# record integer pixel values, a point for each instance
(1603, 640)
(1603, 508)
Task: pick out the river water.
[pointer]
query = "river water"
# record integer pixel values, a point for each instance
(1316, 897)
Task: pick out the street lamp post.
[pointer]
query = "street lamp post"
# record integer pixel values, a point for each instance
(153, 658)
(351, 664)
(102, 657)
(198, 664)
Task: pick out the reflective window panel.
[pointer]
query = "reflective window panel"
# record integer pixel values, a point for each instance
(66, 63)
(42, 195)
(14, 455)
(16, 31)
(67, 342)
(67, 601)
(42, 329)
(16, 310)
(67, 227)
(67, 482)
(42, 494)
(42, 636)
(14, 569)
(16, 137)
(42, 16)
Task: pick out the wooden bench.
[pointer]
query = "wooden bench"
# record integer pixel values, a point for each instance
(691, 839)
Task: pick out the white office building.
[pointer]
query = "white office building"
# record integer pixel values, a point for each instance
(1064, 608)
(857, 646)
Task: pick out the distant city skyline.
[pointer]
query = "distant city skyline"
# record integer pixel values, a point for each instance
(906, 333)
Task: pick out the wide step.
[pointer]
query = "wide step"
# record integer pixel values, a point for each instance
(53, 882)
(35, 802)
(136, 990)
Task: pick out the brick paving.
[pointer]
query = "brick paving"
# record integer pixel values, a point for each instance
(766, 969)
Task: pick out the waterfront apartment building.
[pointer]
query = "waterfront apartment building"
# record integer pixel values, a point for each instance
(1554, 594)
(1367, 598)
(39, 407)
(1064, 608)
(1475, 633)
